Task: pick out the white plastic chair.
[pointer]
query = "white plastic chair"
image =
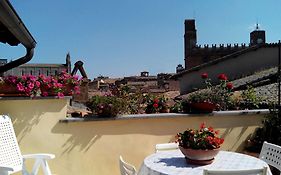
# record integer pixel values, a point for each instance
(260, 171)
(126, 168)
(166, 147)
(271, 154)
(11, 159)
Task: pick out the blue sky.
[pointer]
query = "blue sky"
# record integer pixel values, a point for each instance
(119, 38)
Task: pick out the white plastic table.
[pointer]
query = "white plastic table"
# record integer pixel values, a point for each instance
(174, 163)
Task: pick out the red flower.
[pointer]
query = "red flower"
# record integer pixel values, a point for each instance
(156, 100)
(222, 77)
(155, 105)
(202, 125)
(204, 75)
(229, 85)
(211, 129)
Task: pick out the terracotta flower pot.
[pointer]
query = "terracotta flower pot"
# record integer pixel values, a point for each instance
(198, 154)
(202, 107)
(47, 92)
(8, 90)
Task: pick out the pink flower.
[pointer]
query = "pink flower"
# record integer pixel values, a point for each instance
(24, 77)
(57, 85)
(30, 85)
(44, 94)
(76, 88)
(20, 87)
(77, 92)
(60, 95)
(37, 83)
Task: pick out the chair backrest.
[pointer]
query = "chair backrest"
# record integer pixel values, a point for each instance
(10, 155)
(166, 147)
(271, 154)
(125, 168)
(260, 171)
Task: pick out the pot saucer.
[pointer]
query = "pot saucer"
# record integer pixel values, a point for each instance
(199, 162)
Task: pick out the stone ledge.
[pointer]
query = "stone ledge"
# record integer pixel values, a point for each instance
(167, 115)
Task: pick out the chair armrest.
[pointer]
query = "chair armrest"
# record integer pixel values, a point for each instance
(39, 156)
(5, 168)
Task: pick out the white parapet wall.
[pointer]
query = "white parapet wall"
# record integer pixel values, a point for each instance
(90, 147)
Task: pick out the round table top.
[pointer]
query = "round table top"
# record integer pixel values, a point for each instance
(174, 163)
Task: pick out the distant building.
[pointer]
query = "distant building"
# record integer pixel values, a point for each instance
(38, 69)
(148, 83)
(2, 62)
(195, 54)
(235, 61)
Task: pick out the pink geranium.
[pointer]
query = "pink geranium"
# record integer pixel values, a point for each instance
(25, 83)
(59, 85)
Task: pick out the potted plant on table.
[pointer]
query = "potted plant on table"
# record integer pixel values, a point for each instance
(210, 98)
(199, 146)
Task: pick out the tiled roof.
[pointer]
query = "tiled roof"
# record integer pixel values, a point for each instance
(267, 91)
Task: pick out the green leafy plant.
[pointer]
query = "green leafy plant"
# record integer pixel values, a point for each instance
(270, 131)
(249, 99)
(134, 101)
(177, 107)
(106, 105)
(202, 138)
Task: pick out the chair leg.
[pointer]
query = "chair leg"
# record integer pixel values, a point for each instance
(24, 170)
(45, 167)
(4, 173)
(36, 166)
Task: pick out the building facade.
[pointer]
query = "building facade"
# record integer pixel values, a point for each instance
(39, 69)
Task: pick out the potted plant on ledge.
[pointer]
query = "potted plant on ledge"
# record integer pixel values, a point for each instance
(211, 98)
(26, 85)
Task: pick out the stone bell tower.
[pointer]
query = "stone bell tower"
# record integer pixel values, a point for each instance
(257, 36)
(190, 39)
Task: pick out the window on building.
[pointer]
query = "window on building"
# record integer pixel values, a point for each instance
(56, 72)
(39, 73)
(47, 72)
(31, 72)
(22, 72)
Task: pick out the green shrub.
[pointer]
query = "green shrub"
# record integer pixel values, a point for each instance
(249, 100)
(106, 106)
(270, 131)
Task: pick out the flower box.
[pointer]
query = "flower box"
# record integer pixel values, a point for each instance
(202, 107)
(8, 90)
